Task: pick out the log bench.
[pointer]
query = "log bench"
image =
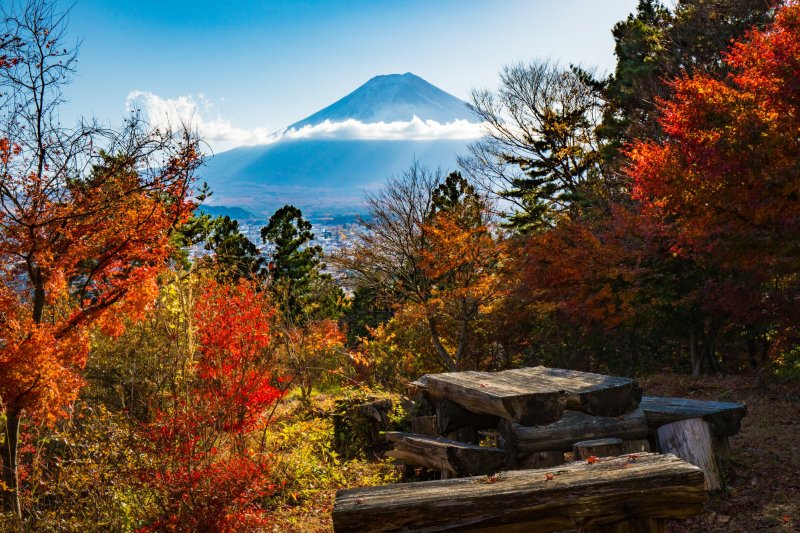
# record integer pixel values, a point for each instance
(452, 458)
(572, 427)
(725, 418)
(628, 493)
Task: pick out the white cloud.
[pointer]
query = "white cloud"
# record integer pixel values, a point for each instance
(196, 114)
(220, 134)
(415, 130)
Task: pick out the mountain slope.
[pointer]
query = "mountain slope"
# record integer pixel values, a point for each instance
(393, 98)
(318, 175)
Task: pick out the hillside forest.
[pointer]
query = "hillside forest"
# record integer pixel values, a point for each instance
(158, 374)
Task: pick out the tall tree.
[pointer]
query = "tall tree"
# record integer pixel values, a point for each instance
(307, 334)
(231, 254)
(540, 151)
(655, 45)
(83, 232)
(294, 263)
(430, 243)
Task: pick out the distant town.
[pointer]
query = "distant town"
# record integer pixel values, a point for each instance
(332, 238)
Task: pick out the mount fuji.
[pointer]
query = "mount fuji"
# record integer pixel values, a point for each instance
(392, 98)
(326, 162)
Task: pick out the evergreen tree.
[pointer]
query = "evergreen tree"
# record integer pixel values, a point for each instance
(295, 268)
(455, 193)
(232, 255)
(541, 152)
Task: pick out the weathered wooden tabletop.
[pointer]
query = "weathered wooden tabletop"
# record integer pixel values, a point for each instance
(535, 395)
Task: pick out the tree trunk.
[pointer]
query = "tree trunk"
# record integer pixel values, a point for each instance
(11, 494)
(751, 352)
(462, 340)
(440, 349)
(711, 352)
(696, 360)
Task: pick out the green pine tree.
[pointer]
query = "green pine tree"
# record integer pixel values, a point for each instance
(301, 288)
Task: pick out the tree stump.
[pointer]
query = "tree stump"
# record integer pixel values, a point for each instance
(599, 448)
(692, 441)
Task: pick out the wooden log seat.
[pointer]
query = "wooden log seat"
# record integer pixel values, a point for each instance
(725, 418)
(641, 490)
(456, 459)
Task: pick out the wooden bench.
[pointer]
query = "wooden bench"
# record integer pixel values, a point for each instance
(637, 492)
(450, 457)
(725, 418)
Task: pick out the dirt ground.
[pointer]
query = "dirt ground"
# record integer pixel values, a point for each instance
(762, 484)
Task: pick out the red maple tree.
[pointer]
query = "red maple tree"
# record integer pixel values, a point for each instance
(212, 471)
(725, 182)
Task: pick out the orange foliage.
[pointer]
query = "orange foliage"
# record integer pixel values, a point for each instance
(76, 254)
(725, 183)
(590, 270)
(726, 178)
(462, 260)
(309, 350)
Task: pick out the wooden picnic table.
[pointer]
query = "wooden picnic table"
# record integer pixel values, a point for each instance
(539, 413)
(536, 395)
(539, 416)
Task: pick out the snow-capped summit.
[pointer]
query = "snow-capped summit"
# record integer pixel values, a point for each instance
(393, 98)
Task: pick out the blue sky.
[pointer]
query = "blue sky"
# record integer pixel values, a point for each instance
(260, 65)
